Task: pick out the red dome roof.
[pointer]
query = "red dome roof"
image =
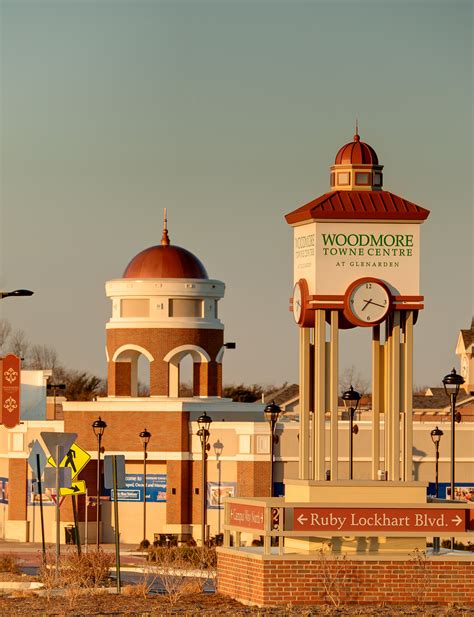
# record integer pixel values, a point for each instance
(356, 153)
(165, 261)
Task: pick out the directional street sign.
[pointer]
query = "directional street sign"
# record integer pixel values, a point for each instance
(33, 459)
(75, 458)
(50, 477)
(53, 440)
(354, 519)
(77, 488)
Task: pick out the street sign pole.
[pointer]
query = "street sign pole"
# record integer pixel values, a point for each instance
(76, 525)
(40, 491)
(58, 512)
(116, 522)
(87, 523)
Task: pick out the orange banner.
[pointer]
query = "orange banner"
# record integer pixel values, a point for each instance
(11, 391)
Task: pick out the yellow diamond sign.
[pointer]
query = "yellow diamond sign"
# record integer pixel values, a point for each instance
(76, 458)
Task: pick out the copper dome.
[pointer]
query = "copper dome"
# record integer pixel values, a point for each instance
(356, 153)
(163, 262)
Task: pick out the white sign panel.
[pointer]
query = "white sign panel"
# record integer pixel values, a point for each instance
(330, 256)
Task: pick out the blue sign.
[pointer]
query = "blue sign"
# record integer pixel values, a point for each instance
(133, 491)
(462, 490)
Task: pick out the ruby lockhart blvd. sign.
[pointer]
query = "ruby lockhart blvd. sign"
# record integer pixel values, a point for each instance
(380, 519)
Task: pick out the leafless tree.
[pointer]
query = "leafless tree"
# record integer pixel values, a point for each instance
(19, 345)
(5, 331)
(352, 377)
(43, 357)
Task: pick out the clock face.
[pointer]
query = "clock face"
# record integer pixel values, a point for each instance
(368, 302)
(297, 302)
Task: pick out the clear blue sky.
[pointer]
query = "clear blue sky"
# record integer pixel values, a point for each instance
(229, 114)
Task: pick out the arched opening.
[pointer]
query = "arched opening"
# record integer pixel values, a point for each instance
(188, 364)
(131, 371)
(186, 376)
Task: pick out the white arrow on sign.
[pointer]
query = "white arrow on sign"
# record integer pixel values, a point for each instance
(457, 519)
(301, 519)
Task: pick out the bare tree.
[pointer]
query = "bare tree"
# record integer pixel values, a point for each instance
(352, 377)
(19, 345)
(43, 357)
(5, 331)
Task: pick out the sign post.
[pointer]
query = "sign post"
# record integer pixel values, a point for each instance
(114, 478)
(37, 462)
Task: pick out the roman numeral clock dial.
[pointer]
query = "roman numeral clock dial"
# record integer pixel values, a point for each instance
(367, 302)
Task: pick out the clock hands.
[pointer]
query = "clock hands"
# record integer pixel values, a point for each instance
(367, 302)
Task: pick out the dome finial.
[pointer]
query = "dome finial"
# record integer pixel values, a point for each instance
(357, 136)
(165, 240)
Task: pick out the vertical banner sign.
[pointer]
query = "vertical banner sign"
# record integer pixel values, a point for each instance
(11, 391)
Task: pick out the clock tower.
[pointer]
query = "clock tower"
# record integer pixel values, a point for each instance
(356, 265)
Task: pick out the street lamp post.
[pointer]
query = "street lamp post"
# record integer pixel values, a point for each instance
(436, 435)
(272, 413)
(204, 422)
(16, 293)
(98, 426)
(351, 400)
(145, 437)
(452, 382)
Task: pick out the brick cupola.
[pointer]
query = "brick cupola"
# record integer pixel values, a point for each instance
(165, 307)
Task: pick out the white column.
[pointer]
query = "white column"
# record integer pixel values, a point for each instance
(319, 394)
(305, 389)
(376, 396)
(395, 375)
(333, 393)
(408, 395)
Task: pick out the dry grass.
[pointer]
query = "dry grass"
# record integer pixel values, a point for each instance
(9, 563)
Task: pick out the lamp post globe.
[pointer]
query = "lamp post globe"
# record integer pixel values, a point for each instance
(452, 383)
(272, 413)
(204, 422)
(351, 399)
(98, 426)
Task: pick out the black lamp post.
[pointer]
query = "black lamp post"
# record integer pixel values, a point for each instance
(145, 437)
(55, 387)
(436, 435)
(17, 292)
(272, 412)
(204, 422)
(452, 382)
(351, 400)
(98, 426)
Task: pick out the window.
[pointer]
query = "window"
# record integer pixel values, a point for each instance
(263, 444)
(344, 178)
(183, 307)
(362, 178)
(332, 179)
(377, 179)
(135, 307)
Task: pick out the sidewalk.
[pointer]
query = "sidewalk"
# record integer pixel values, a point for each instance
(29, 554)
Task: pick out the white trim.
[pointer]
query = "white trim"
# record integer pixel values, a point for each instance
(220, 354)
(184, 350)
(132, 347)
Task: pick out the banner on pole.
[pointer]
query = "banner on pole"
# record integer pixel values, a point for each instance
(11, 373)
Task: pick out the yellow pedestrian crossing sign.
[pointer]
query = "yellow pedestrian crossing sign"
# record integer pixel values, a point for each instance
(77, 488)
(76, 458)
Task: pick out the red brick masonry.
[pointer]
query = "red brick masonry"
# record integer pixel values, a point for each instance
(281, 581)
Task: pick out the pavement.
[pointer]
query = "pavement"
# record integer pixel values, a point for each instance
(29, 554)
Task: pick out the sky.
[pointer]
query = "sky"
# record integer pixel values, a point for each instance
(228, 113)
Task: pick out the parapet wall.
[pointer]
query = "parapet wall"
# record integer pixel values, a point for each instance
(255, 579)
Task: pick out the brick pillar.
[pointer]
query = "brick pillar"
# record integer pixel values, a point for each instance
(119, 379)
(253, 479)
(18, 474)
(178, 493)
(159, 378)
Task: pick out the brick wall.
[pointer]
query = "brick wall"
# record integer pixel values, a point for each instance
(278, 582)
(170, 430)
(18, 474)
(160, 341)
(253, 478)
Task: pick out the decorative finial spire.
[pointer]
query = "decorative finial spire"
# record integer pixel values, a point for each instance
(165, 240)
(356, 136)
